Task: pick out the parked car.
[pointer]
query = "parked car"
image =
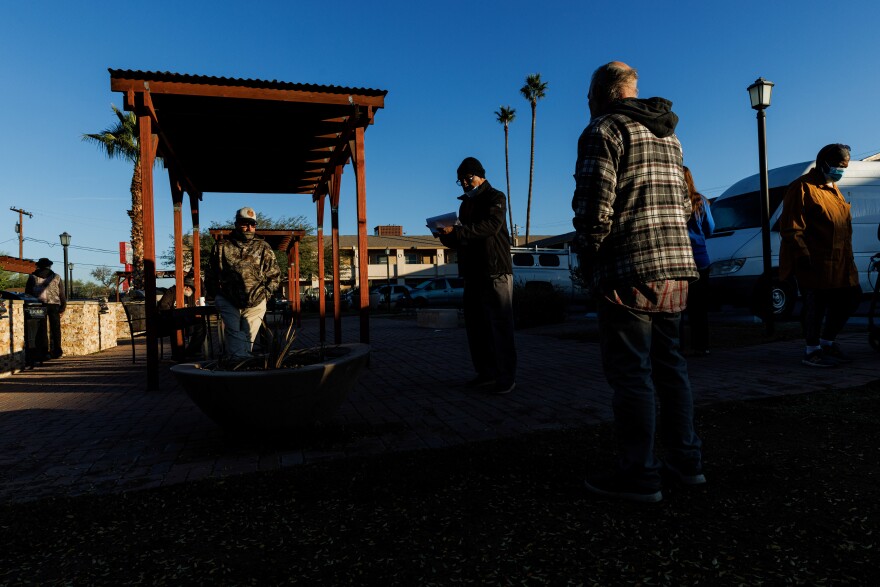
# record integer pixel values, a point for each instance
(400, 296)
(439, 291)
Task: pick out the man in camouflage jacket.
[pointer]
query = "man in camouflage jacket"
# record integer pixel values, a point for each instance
(244, 273)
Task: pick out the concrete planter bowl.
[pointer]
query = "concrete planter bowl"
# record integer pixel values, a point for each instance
(275, 400)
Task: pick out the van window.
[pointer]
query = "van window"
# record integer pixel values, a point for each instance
(547, 260)
(456, 282)
(743, 211)
(523, 260)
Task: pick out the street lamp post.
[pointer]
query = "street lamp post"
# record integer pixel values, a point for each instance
(70, 269)
(759, 96)
(388, 276)
(65, 242)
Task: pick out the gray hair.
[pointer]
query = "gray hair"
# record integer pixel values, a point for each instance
(610, 80)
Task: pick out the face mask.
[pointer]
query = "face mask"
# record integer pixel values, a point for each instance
(834, 173)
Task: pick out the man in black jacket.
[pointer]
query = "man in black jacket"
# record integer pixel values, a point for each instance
(483, 245)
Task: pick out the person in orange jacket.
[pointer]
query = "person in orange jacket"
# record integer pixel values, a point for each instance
(816, 229)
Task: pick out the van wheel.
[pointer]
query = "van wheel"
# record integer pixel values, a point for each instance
(783, 295)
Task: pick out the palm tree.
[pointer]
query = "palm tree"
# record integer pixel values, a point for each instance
(505, 115)
(120, 141)
(532, 91)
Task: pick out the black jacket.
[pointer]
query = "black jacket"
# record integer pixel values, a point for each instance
(482, 240)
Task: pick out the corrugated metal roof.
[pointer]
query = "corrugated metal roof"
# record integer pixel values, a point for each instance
(167, 76)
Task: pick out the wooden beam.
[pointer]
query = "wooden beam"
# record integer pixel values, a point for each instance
(170, 158)
(245, 93)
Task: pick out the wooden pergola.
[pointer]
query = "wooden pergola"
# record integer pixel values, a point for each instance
(247, 136)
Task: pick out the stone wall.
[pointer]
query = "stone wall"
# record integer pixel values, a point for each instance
(84, 330)
(12, 337)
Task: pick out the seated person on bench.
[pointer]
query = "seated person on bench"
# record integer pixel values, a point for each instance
(170, 323)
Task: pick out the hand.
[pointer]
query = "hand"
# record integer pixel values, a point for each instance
(445, 229)
(804, 264)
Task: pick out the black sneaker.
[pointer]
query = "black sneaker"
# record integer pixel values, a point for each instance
(479, 381)
(833, 351)
(503, 388)
(818, 359)
(684, 476)
(611, 485)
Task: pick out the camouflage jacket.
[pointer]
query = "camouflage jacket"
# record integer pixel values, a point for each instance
(244, 271)
(46, 286)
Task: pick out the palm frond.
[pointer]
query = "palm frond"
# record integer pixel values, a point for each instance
(505, 115)
(534, 89)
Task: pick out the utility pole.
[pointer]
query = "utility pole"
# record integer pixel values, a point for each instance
(20, 229)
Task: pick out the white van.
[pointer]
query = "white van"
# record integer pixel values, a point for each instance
(538, 267)
(736, 251)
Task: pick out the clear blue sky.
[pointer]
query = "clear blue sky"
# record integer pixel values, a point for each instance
(447, 67)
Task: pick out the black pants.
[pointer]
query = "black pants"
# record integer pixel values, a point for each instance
(698, 311)
(488, 317)
(48, 342)
(826, 312)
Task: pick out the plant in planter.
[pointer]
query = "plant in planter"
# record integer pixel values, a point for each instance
(282, 390)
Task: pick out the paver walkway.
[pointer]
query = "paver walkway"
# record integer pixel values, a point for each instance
(86, 424)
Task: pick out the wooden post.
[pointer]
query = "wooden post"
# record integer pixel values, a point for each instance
(357, 154)
(335, 182)
(322, 328)
(196, 246)
(298, 306)
(148, 143)
(177, 202)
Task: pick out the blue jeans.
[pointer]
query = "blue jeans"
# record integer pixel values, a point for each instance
(642, 359)
(240, 326)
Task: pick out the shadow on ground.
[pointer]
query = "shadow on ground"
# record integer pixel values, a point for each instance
(792, 498)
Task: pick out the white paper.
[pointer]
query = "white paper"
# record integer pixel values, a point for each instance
(441, 221)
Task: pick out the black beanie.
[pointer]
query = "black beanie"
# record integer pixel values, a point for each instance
(833, 154)
(471, 166)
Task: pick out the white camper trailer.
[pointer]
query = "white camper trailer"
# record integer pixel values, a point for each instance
(736, 252)
(539, 267)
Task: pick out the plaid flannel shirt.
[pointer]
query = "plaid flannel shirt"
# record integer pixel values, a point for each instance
(631, 207)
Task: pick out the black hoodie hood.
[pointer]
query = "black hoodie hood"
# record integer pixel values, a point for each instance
(43, 272)
(654, 113)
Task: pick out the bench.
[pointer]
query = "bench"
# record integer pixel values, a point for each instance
(136, 316)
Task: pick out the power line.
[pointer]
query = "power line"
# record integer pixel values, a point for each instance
(78, 247)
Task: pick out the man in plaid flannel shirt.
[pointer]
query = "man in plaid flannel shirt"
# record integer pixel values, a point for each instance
(631, 208)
